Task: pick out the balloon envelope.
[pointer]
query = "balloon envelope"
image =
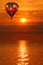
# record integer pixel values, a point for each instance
(11, 8)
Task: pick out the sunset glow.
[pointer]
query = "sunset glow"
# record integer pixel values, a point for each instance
(28, 11)
(23, 20)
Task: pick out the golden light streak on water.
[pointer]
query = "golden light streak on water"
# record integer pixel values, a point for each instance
(23, 56)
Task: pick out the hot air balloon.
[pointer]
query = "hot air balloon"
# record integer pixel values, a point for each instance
(11, 8)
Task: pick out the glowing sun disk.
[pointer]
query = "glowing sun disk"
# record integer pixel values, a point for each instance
(23, 20)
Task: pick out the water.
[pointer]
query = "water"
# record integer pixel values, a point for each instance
(21, 52)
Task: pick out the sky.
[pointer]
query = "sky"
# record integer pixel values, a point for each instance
(24, 4)
(33, 16)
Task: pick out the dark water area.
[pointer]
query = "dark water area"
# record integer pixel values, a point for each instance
(12, 36)
(21, 48)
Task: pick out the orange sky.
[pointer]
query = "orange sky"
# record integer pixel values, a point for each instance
(33, 16)
(24, 4)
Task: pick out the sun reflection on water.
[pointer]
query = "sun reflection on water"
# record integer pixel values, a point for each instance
(23, 56)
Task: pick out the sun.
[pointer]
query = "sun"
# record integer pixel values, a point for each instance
(23, 20)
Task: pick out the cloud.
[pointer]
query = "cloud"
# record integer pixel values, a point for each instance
(27, 4)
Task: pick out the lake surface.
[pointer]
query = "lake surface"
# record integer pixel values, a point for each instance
(21, 52)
